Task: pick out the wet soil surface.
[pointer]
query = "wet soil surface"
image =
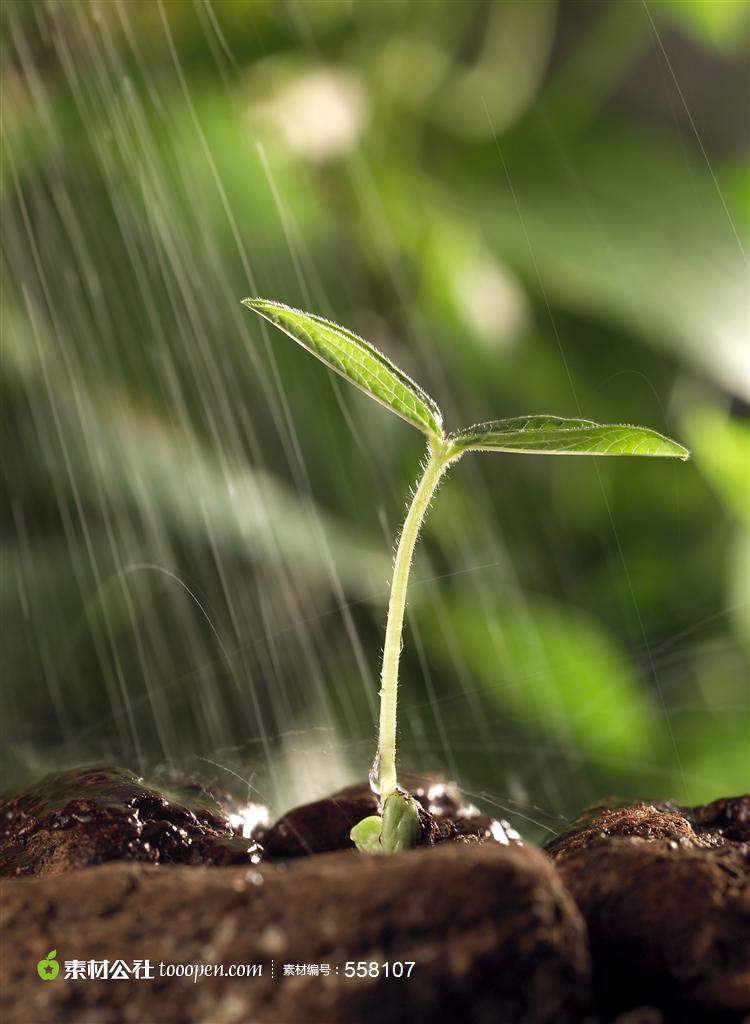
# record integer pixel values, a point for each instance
(324, 825)
(75, 819)
(654, 899)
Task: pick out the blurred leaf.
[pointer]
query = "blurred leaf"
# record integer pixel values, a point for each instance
(634, 233)
(357, 360)
(722, 453)
(710, 776)
(739, 586)
(555, 435)
(111, 452)
(468, 291)
(711, 722)
(718, 23)
(495, 90)
(552, 669)
(735, 185)
(74, 597)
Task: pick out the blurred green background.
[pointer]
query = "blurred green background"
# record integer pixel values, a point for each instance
(532, 207)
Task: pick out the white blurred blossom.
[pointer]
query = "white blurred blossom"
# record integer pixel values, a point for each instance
(318, 114)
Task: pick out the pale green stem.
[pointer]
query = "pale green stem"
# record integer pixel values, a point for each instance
(433, 470)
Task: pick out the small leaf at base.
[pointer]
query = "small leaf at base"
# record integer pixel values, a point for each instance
(366, 834)
(401, 826)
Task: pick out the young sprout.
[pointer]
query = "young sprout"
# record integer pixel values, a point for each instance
(397, 826)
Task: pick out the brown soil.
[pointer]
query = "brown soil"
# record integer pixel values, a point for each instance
(665, 893)
(494, 936)
(667, 924)
(74, 819)
(324, 825)
(658, 896)
(725, 821)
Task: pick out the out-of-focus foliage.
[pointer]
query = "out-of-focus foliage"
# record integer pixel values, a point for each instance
(555, 671)
(532, 208)
(719, 22)
(723, 448)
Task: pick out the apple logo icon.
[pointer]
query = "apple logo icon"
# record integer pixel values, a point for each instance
(48, 969)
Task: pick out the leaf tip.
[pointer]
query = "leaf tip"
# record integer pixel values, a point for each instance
(267, 308)
(675, 450)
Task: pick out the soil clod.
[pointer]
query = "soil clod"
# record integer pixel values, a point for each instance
(665, 893)
(725, 821)
(490, 929)
(74, 819)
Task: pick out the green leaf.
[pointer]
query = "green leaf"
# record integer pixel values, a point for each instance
(398, 829)
(357, 360)
(555, 435)
(366, 834)
(401, 826)
(175, 481)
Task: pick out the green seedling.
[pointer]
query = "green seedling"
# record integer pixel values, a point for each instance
(397, 826)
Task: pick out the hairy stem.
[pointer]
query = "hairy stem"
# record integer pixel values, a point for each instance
(433, 470)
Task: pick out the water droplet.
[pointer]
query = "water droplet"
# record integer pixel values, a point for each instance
(374, 774)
